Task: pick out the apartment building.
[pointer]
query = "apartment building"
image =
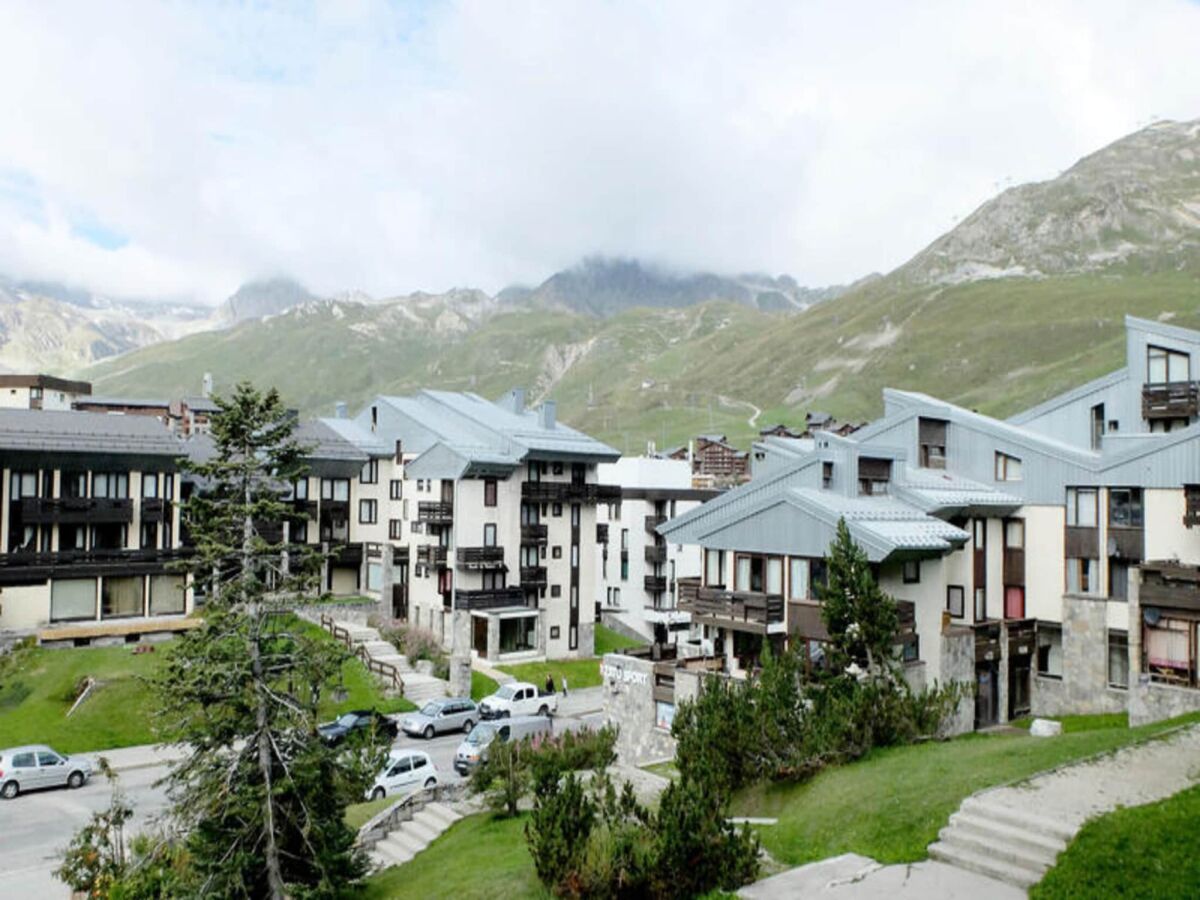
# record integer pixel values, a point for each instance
(638, 570)
(40, 392)
(89, 525)
(487, 512)
(1050, 560)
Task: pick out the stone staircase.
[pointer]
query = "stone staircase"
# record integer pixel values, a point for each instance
(1017, 847)
(418, 686)
(411, 837)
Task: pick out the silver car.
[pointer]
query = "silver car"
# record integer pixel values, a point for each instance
(37, 766)
(440, 716)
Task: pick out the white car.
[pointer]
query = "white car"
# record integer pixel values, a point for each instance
(518, 698)
(406, 771)
(30, 768)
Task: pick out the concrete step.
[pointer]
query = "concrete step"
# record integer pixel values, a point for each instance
(420, 831)
(1030, 823)
(999, 832)
(359, 634)
(379, 649)
(392, 852)
(443, 812)
(408, 841)
(984, 865)
(431, 820)
(987, 845)
(395, 659)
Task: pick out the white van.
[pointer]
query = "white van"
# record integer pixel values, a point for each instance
(406, 771)
(473, 751)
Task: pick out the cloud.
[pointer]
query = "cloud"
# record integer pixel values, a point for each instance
(184, 148)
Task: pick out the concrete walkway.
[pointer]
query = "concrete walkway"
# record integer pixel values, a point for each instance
(483, 667)
(145, 756)
(860, 877)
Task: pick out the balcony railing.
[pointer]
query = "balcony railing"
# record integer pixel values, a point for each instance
(481, 557)
(533, 576)
(155, 509)
(431, 555)
(492, 598)
(602, 533)
(656, 553)
(1170, 400)
(77, 510)
(730, 608)
(652, 522)
(435, 513)
(569, 492)
(534, 534)
(27, 568)
(655, 584)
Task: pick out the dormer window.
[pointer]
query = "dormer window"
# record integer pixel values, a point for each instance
(931, 437)
(873, 476)
(1008, 468)
(827, 475)
(1165, 366)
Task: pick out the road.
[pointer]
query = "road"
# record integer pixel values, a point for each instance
(36, 827)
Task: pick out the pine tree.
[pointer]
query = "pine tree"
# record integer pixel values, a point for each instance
(861, 619)
(260, 797)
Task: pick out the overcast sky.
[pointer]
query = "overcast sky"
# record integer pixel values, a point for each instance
(178, 149)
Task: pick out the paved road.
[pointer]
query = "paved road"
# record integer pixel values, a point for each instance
(35, 827)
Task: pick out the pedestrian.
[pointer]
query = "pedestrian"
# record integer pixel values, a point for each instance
(549, 683)
(564, 685)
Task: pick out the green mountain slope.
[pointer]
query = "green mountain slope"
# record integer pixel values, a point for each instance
(1024, 299)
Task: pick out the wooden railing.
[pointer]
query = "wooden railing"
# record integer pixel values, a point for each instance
(492, 598)
(653, 522)
(435, 513)
(534, 534)
(1170, 400)
(655, 583)
(656, 553)
(569, 492)
(480, 557)
(729, 606)
(533, 576)
(77, 510)
(388, 672)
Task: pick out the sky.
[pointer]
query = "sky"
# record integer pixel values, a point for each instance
(179, 149)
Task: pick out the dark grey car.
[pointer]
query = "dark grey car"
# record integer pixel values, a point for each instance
(440, 716)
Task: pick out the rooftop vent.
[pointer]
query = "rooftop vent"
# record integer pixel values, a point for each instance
(547, 414)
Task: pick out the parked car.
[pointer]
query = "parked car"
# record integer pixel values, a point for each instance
(440, 716)
(359, 721)
(473, 751)
(37, 766)
(406, 771)
(518, 698)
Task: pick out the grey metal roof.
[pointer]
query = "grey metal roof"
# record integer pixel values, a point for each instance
(362, 438)
(327, 444)
(55, 431)
(939, 491)
(147, 402)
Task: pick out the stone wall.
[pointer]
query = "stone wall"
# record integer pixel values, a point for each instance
(613, 621)
(354, 613)
(958, 665)
(1083, 687)
(1150, 702)
(628, 703)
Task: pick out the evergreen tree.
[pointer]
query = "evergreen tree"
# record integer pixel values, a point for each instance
(260, 797)
(861, 619)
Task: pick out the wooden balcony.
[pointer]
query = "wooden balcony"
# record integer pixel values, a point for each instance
(652, 522)
(534, 534)
(77, 510)
(656, 553)
(655, 584)
(569, 492)
(1170, 400)
(1170, 585)
(740, 610)
(34, 568)
(156, 510)
(432, 512)
(480, 557)
(1191, 512)
(431, 555)
(602, 533)
(533, 576)
(1126, 543)
(494, 598)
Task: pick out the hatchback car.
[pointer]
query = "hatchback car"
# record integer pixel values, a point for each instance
(406, 771)
(357, 722)
(31, 768)
(441, 716)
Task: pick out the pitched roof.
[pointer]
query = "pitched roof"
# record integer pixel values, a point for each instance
(69, 431)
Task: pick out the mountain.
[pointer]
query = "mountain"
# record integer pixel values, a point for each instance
(1023, 299)
(601, 286)
(257, 299)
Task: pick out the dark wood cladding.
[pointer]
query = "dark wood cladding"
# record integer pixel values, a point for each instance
(1126, 543)
(1082, 542)
(752, 611)
(569, 492)
(35, 568)
(496, 598)
(655, 584)
(652, 522)
(480, 557)
(932, 431)
(1191, 512)
(76, 511)
(1170, 400)
(432, 512)
(804, 620)
(1022, 636)
(1169, 585)
(156, 510)
(347, 555)
(1014, 566)
(534, 534)
(601, 532)
(533, 576)
(656, 553)
(431, 555)
(987, 643)
(874, 469)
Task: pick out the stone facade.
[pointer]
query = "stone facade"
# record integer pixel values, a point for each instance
(628, 686)
(1083, 687)
(958, 665)
(1149, 702)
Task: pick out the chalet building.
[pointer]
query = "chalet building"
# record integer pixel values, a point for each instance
(40, 392)
(185, 416)
(714, 461)
(485, 518)
(89, 523)
(638, 570)
(1051, 559)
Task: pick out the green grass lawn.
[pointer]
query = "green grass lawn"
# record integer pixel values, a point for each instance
(478, 857)
(1072, 724)
(482, 685)
(580, 673)
(890, 805)
(37, 691)
(1144, 851)
(357, 814)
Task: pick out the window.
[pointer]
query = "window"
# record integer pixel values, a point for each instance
(797, 579)
(1125, 507)
(556, 552)
(558, 469)
(624, 538)
(369, 473)
(121, 597)
(149, 487)
(1049, 650)
(576, 514)
(1082, 576)
(300, 489)
(166, 595)
(826, 475)
(169, 486)
(489, 535)
(556, 590)
(1014, 534)
(1014, 601)
(574, 642)
(624, 566)
(574, 556)
(1097, 425)
(556, 510)
(368, 512)
(396, 489)
(1008, 468)
(489, 492)
(72, 599)
(912, 571)
(774, 575)
(493, 581)
(873, 476)
(1118, 659)
(335, 489)
(714, 568)
(113, 485)
(956, 600)
(149, 536)
(1165, 366)
(1082, 507)
(74, 484)
(395, 529)
(535, 470)
(980, 604)
(23, 484)
(298, 531)
(932, 443)
(1118, 578)
(554, 632)
(1169, 646)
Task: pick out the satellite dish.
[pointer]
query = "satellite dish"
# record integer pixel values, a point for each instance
(1112, 546)
(1151, 615)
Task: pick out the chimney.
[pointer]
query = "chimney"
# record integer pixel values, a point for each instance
(206, 386)
(340, 411)
(546, 414)
(514, 401)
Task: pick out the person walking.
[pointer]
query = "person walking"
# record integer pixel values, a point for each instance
(564, 680)
(549, 683)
